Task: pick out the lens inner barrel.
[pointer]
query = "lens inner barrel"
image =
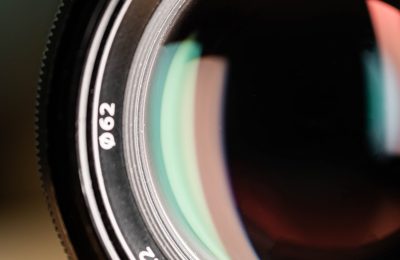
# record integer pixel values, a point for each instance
(295, 105)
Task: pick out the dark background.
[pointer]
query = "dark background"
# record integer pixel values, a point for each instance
(26, 230)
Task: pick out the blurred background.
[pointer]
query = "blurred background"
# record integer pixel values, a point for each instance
(26, 230)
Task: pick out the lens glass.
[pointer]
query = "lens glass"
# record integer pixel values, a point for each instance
(292, 110)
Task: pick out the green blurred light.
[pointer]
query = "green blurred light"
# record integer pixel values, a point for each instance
(375, 101)
(172, 121)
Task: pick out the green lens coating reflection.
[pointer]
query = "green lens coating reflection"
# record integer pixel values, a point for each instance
(172, 110)
(376, 118)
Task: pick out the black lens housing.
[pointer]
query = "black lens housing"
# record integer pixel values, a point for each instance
(58, 98)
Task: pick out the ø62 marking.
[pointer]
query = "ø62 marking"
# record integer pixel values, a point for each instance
(107, 124)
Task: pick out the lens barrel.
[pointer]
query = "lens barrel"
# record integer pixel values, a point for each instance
(181, 129)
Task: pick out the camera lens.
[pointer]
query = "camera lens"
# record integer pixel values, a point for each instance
(226, 129)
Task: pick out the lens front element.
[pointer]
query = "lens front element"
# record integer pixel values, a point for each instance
(289, 109)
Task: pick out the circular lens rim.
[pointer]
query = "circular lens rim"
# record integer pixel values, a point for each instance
(162, 226)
